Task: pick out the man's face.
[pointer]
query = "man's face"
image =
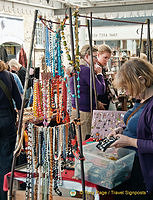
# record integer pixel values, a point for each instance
(88, 58)
(103, 58)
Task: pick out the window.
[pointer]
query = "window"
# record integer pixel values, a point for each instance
(40, 36)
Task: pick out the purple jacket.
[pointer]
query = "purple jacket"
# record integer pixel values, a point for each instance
(145, 144)
(84, 100)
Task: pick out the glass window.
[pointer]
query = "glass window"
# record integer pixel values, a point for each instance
(40, 36)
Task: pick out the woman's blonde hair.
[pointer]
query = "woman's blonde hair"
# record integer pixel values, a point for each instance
(14, 63)
(2, 66)
(104, 48)
(86, 50)
(128, 77)
(143, 56)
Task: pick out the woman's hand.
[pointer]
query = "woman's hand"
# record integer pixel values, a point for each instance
(124, 141)
(97, 69)
(116, 131)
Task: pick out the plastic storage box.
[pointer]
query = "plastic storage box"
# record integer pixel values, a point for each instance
(107, 169)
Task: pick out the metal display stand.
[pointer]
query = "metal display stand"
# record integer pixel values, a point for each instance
(22, 106)
(77, 107)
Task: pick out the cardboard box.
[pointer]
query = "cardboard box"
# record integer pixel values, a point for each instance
(107, 169)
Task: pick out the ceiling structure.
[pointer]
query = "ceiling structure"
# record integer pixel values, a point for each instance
(103, 6)
(97, 3)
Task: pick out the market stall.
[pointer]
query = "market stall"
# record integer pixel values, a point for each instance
(53, 147)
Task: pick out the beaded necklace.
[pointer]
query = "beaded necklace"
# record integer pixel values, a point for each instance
(55, 160)
(45, 162)
(58, 54)
(75, 149)
(40, 130)
(45, 94)
(29, 166)
(69, 102)
(37, 100)
(58, 117)
(52, 83)
(54, 56)
(63, 38)
(35, 148)
(47, 52)
(51, 47)
(51, 164)
(77, 65)
(64, 113)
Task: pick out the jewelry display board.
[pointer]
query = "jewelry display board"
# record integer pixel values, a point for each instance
(104, 121)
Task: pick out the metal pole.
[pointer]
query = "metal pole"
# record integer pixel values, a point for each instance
(92, 75)
(113, 20)
(22, 106)
(140, 40)
(149, 42)
(77, 107)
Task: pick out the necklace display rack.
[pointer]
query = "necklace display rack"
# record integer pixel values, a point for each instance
(50, 150)
(52, 142)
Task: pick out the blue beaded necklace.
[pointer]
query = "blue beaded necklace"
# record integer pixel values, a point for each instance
(47, 53)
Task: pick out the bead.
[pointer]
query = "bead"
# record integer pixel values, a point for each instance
(69, 58)
(64, 43)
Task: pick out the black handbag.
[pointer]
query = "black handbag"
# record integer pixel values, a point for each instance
(21, 159)
(8, 95)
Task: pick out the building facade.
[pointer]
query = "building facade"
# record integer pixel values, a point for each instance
(16, 25)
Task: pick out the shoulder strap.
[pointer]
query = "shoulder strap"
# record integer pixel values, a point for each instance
(136, 110)
(7, 93)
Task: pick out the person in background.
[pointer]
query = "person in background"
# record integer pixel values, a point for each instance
(17, 68)
(7, 124)
(84, 100)
(17, 80)
(143, 56)
(103, 55)
(136, 77)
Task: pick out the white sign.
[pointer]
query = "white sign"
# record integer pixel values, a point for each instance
(129, 32)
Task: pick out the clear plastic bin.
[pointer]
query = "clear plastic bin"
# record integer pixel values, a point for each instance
(107, 169)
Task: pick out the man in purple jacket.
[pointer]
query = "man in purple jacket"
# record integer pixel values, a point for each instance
(84, 82)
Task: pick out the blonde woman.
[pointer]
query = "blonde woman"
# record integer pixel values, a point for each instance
(136, 77)
(103, 55)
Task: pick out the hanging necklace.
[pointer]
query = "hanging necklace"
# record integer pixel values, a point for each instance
(51, 164)
(47, 52)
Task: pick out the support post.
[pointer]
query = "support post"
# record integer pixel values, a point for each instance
(77, 107)
(22, 106)
(92, 75)
(149, 42)
(140, 40)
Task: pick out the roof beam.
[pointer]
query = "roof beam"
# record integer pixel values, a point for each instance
(108, 9)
